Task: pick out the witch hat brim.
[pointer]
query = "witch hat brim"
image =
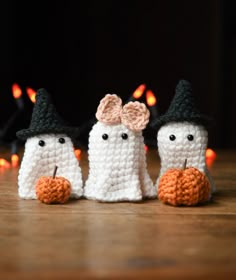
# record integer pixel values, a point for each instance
(45, 119)
(198, 119)
(182, 108)
(24, 134)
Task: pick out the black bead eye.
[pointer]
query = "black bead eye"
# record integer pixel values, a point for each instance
(104, 136)
(172, 137)
(190, 137)
(41, 143)
(124, 136)
(61, 140)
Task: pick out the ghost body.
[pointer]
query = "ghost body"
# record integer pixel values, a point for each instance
(178, 141)
(182, 134)
(117, 165)
(42, 153)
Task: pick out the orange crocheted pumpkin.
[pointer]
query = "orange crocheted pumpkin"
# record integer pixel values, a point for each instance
(184, 187)
(53, 189)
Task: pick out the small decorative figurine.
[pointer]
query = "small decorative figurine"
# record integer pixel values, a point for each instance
(182, 137)
(52, 189)
(187, 186)
(48, 144)
(117, 158)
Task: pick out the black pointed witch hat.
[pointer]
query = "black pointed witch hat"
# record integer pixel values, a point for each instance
(182, 108)
(45, 119)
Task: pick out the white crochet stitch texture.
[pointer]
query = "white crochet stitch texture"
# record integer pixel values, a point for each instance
(174, 152)
(117, 166)
(41, 160)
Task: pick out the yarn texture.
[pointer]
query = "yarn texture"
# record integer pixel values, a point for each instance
(40, 161)
(45, 119)
(48, 144)
(182, 108)
(184, 187)
(182, 134)
(109, 109)
(53, 190)
(135, 116)
(173, 152)
(117, 160)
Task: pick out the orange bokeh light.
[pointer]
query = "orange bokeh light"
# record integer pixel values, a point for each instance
(210, 157)
(139, 91)
(14, 160)
(151, 98)
(4, 163)
(146, 148)
(78, 153)
(31, 93)
(16, 91)
(210, 154)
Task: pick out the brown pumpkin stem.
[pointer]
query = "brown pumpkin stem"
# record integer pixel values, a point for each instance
(185, 164)
(54, 172)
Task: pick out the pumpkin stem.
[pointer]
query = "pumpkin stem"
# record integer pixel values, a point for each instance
(185, 164)
(54, 172)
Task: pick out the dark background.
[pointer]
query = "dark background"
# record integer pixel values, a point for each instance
(81, 50)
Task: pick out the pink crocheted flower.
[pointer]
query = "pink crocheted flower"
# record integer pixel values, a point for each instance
(109, 109)
(135, 116)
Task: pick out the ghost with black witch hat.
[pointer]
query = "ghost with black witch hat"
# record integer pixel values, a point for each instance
(182, 133)
(48, 144)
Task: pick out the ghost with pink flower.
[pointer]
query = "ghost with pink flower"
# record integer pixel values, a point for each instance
(117, 160)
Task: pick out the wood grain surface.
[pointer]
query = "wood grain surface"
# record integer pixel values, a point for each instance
(148, 240)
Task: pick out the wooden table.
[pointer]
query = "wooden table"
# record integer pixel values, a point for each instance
(88, 239)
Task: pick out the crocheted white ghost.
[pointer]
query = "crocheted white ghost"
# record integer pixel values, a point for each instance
(42, 153)
(178, 141)
(117, 161)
